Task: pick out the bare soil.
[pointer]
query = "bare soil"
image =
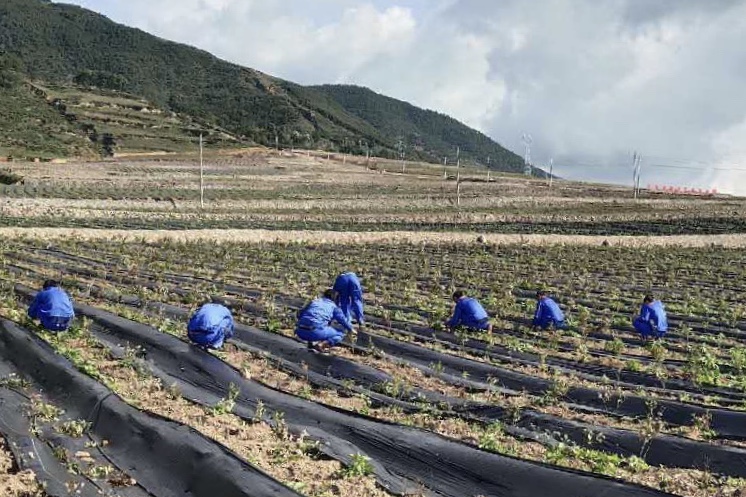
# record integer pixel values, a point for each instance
(14, 483)
(393, 237)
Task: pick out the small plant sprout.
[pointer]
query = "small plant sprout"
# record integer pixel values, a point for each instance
(359, 466)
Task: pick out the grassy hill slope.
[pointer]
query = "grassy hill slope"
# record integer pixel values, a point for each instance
(426, 131)
(62, 44)
(29, 127)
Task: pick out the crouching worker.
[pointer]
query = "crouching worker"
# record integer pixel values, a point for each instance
(350, 296)
(315, 319)
(468, 313)
(210, 326)
(548, 313)
(52, 307)
(652, 321)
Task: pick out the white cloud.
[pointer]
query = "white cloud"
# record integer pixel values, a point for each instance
(590, 80)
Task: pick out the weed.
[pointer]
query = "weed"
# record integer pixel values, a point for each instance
(359, 466)
(226, 405)
(100, 472)
(279, 426)
(738, 358)
(657, 350)
(702, 424)
(702, 366)
(615, 347)
(75, 428)
(40, 410)
(489, 439)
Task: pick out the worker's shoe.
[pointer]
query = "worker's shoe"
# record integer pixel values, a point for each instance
(322, 347)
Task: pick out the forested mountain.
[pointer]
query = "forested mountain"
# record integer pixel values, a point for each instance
(424, 131)
(67, 45)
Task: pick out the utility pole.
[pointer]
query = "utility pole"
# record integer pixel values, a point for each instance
(637, 168)
(401, 156)
(638, 173)
(488, 169)
(458, 164)
(201, 176)
(551, 168)
(458, 176)
(527, 141)
(445, 167)
(634, 174)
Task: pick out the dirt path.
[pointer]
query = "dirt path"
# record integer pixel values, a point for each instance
(263, 236)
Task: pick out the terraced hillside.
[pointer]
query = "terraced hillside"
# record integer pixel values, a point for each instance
(31, 128)
(119, 123)
(41, 121)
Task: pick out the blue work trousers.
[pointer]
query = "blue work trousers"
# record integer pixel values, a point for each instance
(646, 330)
(329, 333)
(55, 323)
(546, 323)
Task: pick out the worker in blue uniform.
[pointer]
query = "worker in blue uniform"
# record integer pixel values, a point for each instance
(210, 326)
(350, 296)
(52, 307)
(468, 313)
(652, 321)
(548, 313)
(315, 322)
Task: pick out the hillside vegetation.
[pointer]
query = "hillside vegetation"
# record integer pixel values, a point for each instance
(29, 127)
(63, 45)
(422, 131)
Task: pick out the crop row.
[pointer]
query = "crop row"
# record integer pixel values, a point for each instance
(698, 226)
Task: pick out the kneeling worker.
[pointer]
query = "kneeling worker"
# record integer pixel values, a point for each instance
(210, 326)
(548, 313)
(468, 313)
(314, 322)
(52, 307)
(652, 321)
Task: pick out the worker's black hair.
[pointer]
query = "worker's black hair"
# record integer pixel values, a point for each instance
(648, 299)
(541, 293)
(457, 295)
(51, 284)
(330, 294)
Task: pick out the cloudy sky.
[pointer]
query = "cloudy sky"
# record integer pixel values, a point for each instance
(590, 80)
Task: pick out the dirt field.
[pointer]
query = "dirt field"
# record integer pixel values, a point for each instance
(396, 237)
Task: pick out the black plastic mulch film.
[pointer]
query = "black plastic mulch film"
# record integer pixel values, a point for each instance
(406, 460)
(32, 450)
(725, 423)
(660, 450)
(166, 458)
